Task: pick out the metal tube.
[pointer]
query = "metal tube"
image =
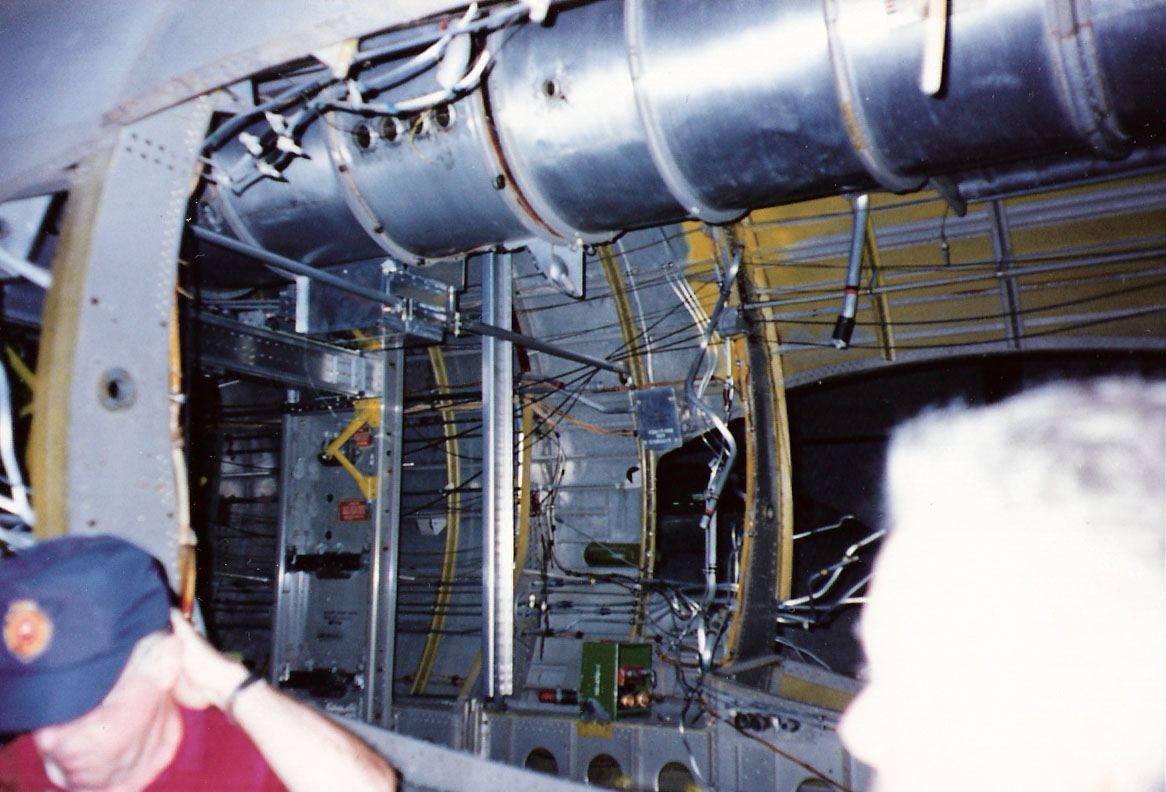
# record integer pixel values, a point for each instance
(486, 328)
(291, 265)
(632, 114)
(844, 327)
(724, 463)
(498, 487)
(25, 269)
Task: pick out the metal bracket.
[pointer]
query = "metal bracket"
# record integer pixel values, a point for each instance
(365, 412)
(293, 360)
(412, 304)
(425, 306)
(562, 266)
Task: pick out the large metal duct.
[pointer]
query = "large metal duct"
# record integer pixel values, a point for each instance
(617, 115)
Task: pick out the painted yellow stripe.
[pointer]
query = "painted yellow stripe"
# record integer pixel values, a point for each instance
(740, 382)
(452, 529)
(638, 367)
(798, 689)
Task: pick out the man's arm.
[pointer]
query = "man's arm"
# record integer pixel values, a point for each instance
(309, 752)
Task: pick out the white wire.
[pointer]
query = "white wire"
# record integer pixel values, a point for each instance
(25, 269)
(795, 620)
(847, 558)
(842, 521)
(468, 82)
(804, 651)
(437, 97)
(821, 592)
(686, 295)
(420, 61)
(17, 504)
(713, 361)
(846, 598)
(17, 540)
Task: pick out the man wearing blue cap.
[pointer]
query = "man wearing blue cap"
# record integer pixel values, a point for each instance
(114, 692)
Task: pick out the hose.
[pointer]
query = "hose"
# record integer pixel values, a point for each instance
(723, 465)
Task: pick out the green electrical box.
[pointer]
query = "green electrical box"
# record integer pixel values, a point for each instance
(615, 680)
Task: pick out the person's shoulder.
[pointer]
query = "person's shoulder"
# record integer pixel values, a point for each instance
(16, 750)
(218, 755)
(20, 766)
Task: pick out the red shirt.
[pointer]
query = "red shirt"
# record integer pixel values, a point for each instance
(214, 755)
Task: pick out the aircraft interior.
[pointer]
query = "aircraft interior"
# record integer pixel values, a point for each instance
(513, 379)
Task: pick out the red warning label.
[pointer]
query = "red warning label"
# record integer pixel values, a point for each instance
(353, 510)
(363, 437)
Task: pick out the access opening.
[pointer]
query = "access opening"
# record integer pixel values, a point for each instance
(541, 760)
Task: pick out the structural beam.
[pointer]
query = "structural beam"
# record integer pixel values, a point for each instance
(482, 328)
(382, 638)
(498, 487)
(292, 360)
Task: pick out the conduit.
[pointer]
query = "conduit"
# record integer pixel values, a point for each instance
(723, 464)
(844, 327)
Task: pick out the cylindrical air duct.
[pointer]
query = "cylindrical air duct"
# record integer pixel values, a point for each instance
(623, 114)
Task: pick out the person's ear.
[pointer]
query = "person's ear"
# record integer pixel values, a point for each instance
(163, 663)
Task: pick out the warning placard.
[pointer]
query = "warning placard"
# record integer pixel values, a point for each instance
(353, 510)
(363, 437)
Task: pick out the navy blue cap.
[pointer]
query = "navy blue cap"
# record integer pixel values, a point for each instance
(71, 610)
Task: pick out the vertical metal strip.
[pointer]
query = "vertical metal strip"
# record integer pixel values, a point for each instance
(882, 305)
(1009, 294)
(386, 543)
(740, 375)
(290, 589)
(767, 551)
(498, 485)
(104, 350)
(785, 489)
(523, 538)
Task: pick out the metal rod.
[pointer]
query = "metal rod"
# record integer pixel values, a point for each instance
(470, 325)
(845, 324)
(489, 329)
(882, 305)
(1002, 252)
(498, 488)
(293, 266)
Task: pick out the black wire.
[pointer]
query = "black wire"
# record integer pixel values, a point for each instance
(1061, 330)
(981, 317)
(990, 265)
(443, 497)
